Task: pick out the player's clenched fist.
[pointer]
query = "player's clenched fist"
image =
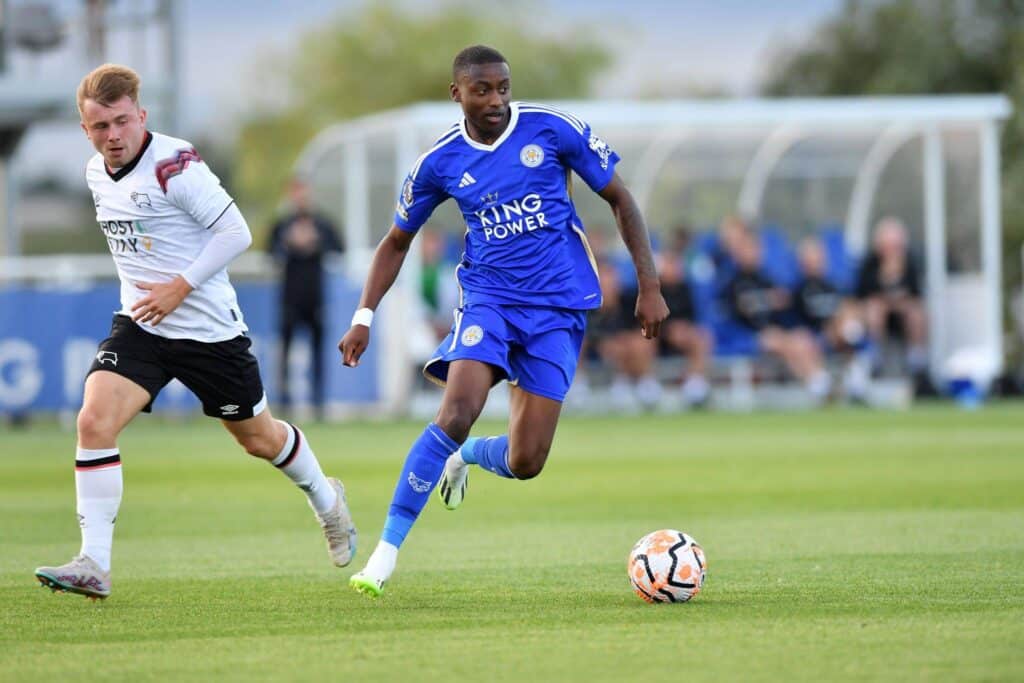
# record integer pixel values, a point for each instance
(353, 344)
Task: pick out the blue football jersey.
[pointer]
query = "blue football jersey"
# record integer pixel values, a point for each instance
(524, 242)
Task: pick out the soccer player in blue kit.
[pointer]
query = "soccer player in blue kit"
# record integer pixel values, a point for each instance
(527, 277)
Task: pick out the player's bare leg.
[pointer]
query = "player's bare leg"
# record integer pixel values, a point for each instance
(110, 402)
(520, 454)
(469, 382)
(532, 421)
(475, 378)
(286, 448)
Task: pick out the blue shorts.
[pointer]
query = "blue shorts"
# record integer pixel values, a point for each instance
(534, 347)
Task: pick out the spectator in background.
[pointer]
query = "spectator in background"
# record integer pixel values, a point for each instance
(680, 333)
(831, 317)
(299, 241)
(611, 332)
(889, 287)
(762, 306)
(732, 232)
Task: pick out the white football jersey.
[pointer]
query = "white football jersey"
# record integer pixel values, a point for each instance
(155, 213)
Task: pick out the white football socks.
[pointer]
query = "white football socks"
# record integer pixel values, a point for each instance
(382, 562)
(297, 461)
(98, 486)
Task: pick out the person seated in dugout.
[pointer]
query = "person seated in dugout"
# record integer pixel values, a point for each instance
(762, 306)
(613, 334)
(833, 318)
(732, 231)
(889, 289)
(680, 333)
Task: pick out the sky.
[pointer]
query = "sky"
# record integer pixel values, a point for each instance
(705, 44)
(659, 46)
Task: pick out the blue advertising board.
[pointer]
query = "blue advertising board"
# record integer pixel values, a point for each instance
(49, 335)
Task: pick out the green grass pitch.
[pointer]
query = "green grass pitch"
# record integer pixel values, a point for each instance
(842, 545)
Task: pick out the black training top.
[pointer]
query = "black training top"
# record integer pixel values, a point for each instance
(870, 282)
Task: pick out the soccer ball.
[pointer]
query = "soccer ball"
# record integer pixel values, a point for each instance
(667, 566)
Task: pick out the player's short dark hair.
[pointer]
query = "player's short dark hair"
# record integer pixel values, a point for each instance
(475, 55)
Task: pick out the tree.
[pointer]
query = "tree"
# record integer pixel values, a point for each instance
(383, 58)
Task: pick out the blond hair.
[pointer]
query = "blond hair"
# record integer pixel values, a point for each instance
(107, 84)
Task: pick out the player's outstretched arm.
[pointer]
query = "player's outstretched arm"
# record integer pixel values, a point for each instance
(651, 308)
(387, 261)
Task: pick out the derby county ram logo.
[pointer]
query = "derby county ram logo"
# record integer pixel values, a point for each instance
(601, 149)
(141, 199)
(106, 357)
(531, 156)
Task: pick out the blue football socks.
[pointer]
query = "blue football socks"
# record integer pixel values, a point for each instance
(423, 467)
(491, 453)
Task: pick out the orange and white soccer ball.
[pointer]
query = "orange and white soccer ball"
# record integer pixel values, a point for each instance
(667, 566)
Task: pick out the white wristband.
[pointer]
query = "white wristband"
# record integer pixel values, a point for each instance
(364, 316)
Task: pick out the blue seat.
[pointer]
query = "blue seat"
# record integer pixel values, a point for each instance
(842, 266)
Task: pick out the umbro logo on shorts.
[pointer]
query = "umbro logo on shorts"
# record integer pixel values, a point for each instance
(107, 357)
(229, 409)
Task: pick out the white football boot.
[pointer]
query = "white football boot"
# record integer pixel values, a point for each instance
(81, 575)
(451, 489)
(338, 528)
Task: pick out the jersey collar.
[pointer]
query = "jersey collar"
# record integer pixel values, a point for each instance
(514, 108)
(130, 166)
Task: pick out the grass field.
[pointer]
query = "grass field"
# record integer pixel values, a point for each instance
(842, 545)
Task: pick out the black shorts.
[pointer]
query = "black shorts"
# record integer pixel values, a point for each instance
(223, 375)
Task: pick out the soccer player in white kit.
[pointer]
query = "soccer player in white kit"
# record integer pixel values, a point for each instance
(172, 230)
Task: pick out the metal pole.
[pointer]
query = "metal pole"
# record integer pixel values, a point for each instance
(170, 12)
(96, 30)
(991, 236)
(356, 192)
(768, 155)
(3, 36)
(9, 241)
(935, 245)
(865, 186)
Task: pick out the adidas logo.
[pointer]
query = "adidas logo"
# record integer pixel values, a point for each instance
(467, 180)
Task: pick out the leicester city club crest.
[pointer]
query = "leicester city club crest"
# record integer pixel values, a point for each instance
(531, 156)
(472, 335)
